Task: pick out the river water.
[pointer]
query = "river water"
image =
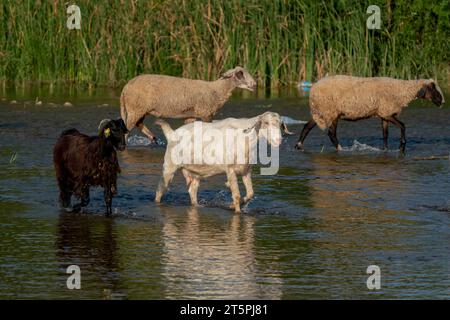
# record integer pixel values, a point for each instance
(311, 231)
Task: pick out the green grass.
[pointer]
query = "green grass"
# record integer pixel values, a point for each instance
(279, 41)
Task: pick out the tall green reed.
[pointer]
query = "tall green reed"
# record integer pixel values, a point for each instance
(280, 41)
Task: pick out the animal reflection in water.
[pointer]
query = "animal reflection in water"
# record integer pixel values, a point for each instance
(207, 257)
(352, 195)
(89, 242)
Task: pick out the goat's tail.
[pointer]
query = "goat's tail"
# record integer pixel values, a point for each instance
(167, 130)
(123, 108)
(69, 132)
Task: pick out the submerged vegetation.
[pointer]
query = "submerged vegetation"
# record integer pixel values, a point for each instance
(279, 41)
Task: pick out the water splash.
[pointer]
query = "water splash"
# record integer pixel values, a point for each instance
(289, 120)
(141, 141)
(361, 147)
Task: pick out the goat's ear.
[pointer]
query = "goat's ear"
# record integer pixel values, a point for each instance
(123, 125)
(285, 129)
(256, 126)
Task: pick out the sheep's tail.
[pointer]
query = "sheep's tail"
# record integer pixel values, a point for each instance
(167, 130)
(123, 108)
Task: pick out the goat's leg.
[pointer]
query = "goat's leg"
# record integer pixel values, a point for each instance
(332, 135)
(166, 178)
(189, 120)
(193, 188)
(247, 180)
(140, 124)
(385, 125)
(207, 118)
(234, 187)
(64, 198)
(65, 191)
(108, 200)
(306, 129)
(399, 124)
(85, 199)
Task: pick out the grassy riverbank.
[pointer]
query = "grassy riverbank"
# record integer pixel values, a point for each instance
(279, 41)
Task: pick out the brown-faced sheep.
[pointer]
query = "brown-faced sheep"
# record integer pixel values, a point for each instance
(82, 162)
(353, 98)
(172, 97)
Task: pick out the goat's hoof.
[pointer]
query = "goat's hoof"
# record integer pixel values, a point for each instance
(299, 146)
(246, 200)
(339, 148)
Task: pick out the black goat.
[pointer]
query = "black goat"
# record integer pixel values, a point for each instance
(82, 161)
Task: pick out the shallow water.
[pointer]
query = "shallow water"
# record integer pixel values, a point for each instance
(311, 231)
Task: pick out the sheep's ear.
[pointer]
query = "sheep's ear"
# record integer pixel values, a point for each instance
(422, 92)
(239, 75)
(228, 74)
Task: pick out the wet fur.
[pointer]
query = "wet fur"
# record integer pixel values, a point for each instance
(83, 161)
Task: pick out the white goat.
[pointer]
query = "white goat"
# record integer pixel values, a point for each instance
(204, 157)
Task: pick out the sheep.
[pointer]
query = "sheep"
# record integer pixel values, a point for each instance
(81, 162)
(353, 98)
(172, 97)
(184, 140)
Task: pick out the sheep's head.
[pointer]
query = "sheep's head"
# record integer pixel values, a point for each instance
(268, 126)
(241, 78)
(114, 131)
(431, 91)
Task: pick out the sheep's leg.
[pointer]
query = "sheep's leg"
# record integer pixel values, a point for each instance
(385, 125)
(166, 178)
(247, 179)
(140, 124)
(306, 129)
(399, 124)
(193, 188)
(332, 135)
(234, 187)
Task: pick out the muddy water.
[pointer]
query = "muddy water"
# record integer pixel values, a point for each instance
(311, 231)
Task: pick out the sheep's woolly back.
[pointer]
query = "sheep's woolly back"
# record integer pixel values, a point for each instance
(355, 98)
(172, 97)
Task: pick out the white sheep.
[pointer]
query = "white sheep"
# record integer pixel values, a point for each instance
(353, 98)
(233, 159)
(173, 97)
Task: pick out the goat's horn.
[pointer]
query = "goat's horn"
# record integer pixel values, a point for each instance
(102, 125)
